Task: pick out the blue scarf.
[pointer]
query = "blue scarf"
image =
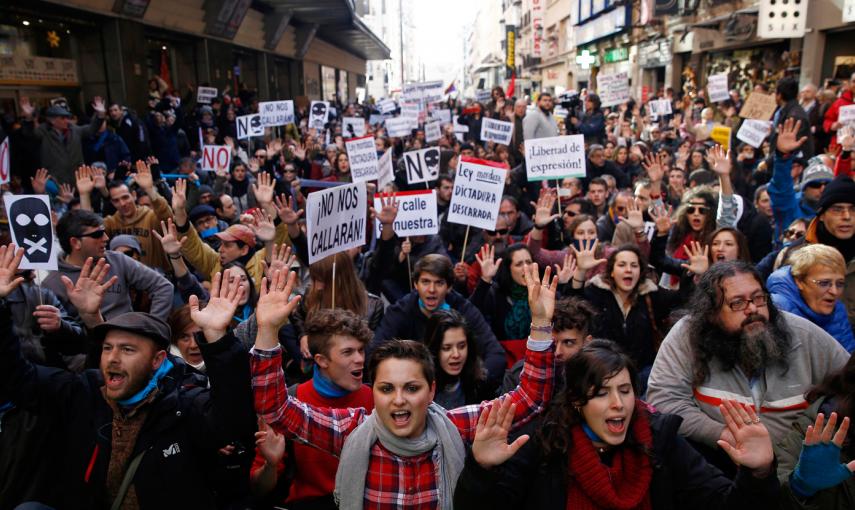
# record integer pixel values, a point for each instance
(325, 386)
(591, 434)
(245, 313)
(165, 367)
(208, 232)
(443, 306)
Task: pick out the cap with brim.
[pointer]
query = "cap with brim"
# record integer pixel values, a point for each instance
(57, 111)
(240, 233)
(140, 323)
(201, 211)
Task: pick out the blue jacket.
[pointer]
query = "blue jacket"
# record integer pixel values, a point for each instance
(786, 296)
(787, 204)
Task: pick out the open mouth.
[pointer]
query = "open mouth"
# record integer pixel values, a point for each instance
(616, 426)
(627, 281)
(115, 380)
(455, 365)
(357, 374)
(401, 418)
(719, 257)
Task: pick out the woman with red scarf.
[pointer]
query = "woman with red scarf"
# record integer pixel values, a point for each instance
(599, 447)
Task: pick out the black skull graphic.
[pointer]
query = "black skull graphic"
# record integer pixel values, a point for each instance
(255, 122)
(432, 162)
(30, 219)
(319, 109)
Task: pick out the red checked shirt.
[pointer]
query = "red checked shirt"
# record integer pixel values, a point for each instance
(392, 481)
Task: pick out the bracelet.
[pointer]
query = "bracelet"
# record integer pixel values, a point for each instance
(541, 329)
(174, 258)
(578, 281)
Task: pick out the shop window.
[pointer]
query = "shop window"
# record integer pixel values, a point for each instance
(342, 86)
(747, 68)
(328, 83)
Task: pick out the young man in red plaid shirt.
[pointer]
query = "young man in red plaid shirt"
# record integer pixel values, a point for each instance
(409, 452)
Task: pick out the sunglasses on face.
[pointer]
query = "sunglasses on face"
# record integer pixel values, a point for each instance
(815, 185)
(570, 213)
(697, 209)
(791, 232)
(500, 232)
(98, 234)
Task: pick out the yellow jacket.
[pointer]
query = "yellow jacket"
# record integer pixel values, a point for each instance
(140, 226)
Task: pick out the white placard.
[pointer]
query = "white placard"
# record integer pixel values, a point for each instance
(375, 118)
(411, 112)
(422, 165)
(319, 114)
(335, 220)
(433, 131)
(556, 157)
(848, 11)
(216, 156)
(483, 95)
(613, 88)
(416, 213)
(477, 194)
(5, 162)
(717, 88)
(427, 92)
(362, 155)
(785, 19)
(498, 131)
(399, 127)
(205, 94)
(460, 128)
(659, 107)
(753, 132)
(352, 127)
(387, 105)
(249, 125)
(32, 230)
(276, 113)
(386, 171)
(846, 114)
(443, 115)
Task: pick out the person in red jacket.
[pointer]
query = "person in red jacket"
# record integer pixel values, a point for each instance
(337, 340)
(831, 123)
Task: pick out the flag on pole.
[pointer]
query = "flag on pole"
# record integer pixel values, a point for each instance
(451, 88)
(164, 68)
(510, 92)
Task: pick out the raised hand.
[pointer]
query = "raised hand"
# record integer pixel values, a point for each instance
(281, 259)
(271, 445)
(10, 259)
(285, 210)
(263, 188)
(719, 160)
(819, 464)
(699, 260)
(170, 240)
(66, 193)
(753, 447)
(662, 218)
(490, 447)
(39, 181)
(273, 148)
(230, 143)
(543, 209)
(143, 176)
(489, 266)
(299, 151)
(87, 293)
(214, 319)
(634, 216)
(263, 225)
(388, 209)
(541, 293)
(27, 108)
(48, 318)
(653, 166)
(85, 180)
(566, 271)
(179, 195)
(788, 140)
(586, 257)
(275, 303)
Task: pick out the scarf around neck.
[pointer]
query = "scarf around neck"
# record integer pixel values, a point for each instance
(625, 485)
(518, 320)
(325, 386)
(165, 367)
(440, 435)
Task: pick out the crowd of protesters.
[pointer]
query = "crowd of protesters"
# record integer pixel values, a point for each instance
(673, 329)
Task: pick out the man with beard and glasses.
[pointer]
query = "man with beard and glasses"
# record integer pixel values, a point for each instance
(734, 344)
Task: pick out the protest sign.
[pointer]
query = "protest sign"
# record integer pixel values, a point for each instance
(848, 11)
(613, 88)
(335, 220)
(276, 113)
(205, 94)
(422, 165)
(375, 118)
(249, 125)
(5, 162)
(352, 127)
(319, 114)
(477, 193)
(721, 136)
(387, 105)
(433, 131)
(443, 115)
(32, 230)
(427, 92)
(416, 213)
(759, 106)
(753, 132)
(555, 157)
(482, 96)
(659, 107)
(498, 131)
(216, 156)
(399, 127)
(846, 114)
(362, 155)
(460, 128)
(386, 173)
(717, 88)
(411, 111)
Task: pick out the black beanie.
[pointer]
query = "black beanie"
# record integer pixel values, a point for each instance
(840, 190)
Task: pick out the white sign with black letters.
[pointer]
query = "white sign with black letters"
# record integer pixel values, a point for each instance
(335, 220)
(433, 131)
(846, 114)
(205, 94)
(32, 230)
(398, 127)
(422, 165)
(443, 115)
(386, 172)
(659, 107)
(416, 213)
(387, 106)
(613, 88)
(276, 113)
(498, 131)
(753, 132)
(362, 155)
(477, 194)
(556, 157)
(352, 127)
(249, 125)
(717, 88)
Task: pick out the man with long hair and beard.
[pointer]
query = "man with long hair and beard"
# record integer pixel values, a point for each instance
(734, 344)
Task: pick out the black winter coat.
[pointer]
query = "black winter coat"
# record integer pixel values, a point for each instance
(681, 478)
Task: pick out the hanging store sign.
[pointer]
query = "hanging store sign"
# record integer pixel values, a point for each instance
(655, 54)
(615, 55)
(15, 70)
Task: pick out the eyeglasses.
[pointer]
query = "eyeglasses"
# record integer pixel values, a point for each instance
(793, 233)
(815, 184)
(699, 209)
(739, 304)
(570, 213)
(827, 283)
(98, 234)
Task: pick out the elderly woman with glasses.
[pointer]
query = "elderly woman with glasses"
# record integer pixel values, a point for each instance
(812, 287)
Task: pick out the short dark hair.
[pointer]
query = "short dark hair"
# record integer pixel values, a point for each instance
(513, 201)
(573, 313)
(402, 349)
(323, 323)
(599, 180)
(435, 264)
(788, 87)
(444, 177)
(72, 224)
(115, 183)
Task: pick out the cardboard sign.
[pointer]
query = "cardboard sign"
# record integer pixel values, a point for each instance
(555, 157)
(426, 92)
(782, 19)
(753, 132)
(483, 96)
(249, 125)
(216, 156)
(443, 115)
(477, 194)
(498, 131)
(276, 113)
(848, 11)
(422, 165)
(433, 131)
(387, 105)
(717, 88)
(376, 119)
(5, 162)
(416, 213)
(205, 94)
(759, 106)
(362, 155)
(659, 107)
(32, 230)
(721, 136)
(335, 220)
(399, 127)
(353, 127)
(846, 114)
(319, 114)
(613, 88)
(386, 172)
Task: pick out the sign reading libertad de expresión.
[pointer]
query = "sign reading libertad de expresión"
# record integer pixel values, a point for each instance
(555, 157)
(335, 220)
(477, 194)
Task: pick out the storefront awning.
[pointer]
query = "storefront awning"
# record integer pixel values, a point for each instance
(489, 62)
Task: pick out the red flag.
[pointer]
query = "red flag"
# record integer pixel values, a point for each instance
(510, 92)
(164, 68)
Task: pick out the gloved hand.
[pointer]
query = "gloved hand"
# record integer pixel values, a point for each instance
(819, 465)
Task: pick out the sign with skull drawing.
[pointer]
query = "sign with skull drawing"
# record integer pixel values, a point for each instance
(422, 165)
(319, 114)
(29, 218)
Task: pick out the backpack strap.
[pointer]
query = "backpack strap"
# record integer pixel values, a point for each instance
(126, 481)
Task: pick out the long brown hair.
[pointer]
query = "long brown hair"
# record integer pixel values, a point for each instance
(840, 387)
(350, 292)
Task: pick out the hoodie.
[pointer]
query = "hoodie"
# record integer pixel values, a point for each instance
(786, 296)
